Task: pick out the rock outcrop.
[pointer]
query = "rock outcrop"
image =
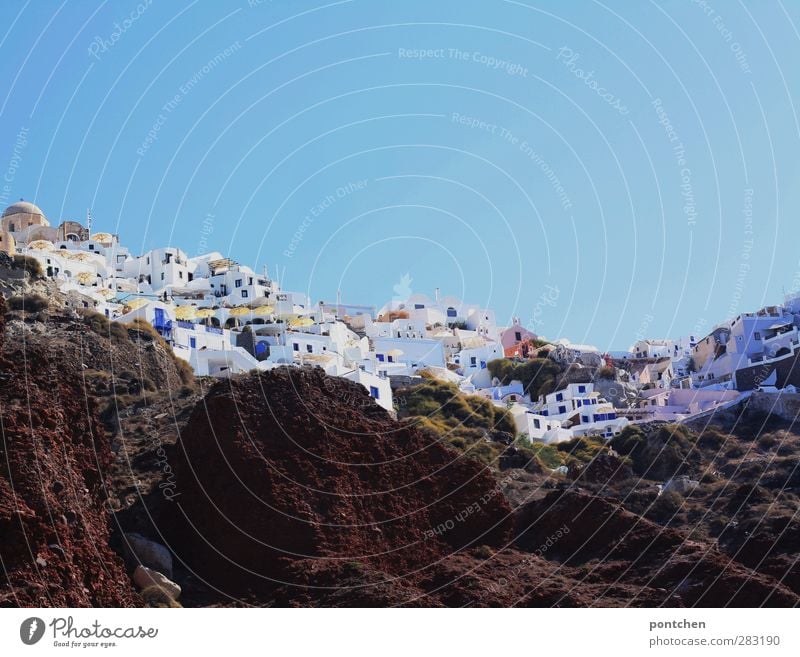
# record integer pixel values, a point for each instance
(54, 456)
(291, 464)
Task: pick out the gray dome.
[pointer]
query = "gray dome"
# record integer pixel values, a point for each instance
(22, 207)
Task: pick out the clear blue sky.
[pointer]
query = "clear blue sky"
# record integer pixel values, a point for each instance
(569, 178)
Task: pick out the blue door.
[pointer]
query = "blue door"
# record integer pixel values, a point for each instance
(193, 343)
(158, 322)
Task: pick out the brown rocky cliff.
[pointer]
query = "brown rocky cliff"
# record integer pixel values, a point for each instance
(279, 466)
(53, 460)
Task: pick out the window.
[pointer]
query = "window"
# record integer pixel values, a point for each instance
(419, 306)
(518, 335)
(537, 424)
(379, 357)
(244, 294)
(451, 312)
(473, 361)
(238, 282)
(483, 364)
(374, 392)
(296, 346)
(11, 227)
(180, 274)
(162, 275)
(562, 409)
(757, 335)
(585, 418)
(581, 388)
(580, 402)
(390, 359)
(91, 247)
(310, 348)
(250, 280)
(559, 397)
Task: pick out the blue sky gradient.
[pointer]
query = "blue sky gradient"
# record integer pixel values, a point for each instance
(604, 171)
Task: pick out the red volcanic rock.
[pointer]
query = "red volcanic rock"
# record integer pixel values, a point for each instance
(54, 529)
(616, 547)
(291, 464)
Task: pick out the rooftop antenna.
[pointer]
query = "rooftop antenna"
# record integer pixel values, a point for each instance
(89, 222)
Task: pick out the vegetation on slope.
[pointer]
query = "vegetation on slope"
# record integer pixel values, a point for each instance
(467, 422)
(538, 375)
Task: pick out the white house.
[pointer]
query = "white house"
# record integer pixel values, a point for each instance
(582, 410)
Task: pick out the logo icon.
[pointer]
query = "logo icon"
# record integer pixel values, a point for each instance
(402, 290)
(31, 630)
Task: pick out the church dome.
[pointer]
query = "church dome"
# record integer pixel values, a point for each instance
(22, 207)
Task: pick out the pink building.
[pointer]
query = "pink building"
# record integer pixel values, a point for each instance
(513, 336)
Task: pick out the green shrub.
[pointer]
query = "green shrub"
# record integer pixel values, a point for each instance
(607, 373)
(30, 303)
(29, 264)
(538, 375)
(582, 448)
(665, 506)
(142, 329)
(627, 441)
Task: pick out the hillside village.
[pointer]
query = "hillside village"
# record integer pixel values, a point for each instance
(225, 318)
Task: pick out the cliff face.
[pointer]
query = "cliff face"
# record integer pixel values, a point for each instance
(54, 455)
(291, 464)
(294, 488)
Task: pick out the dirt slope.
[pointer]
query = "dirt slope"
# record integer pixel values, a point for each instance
(53, 458)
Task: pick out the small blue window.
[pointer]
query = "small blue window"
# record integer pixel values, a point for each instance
(483, 364)
(585, 418)
(559, 396)
(419, 306)
(374, 392)
(473, 361)
(451, 312)
(562, 409)
(580, 402)
(581, 388)
(379, 357)
(309, 348)
(537, 424)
